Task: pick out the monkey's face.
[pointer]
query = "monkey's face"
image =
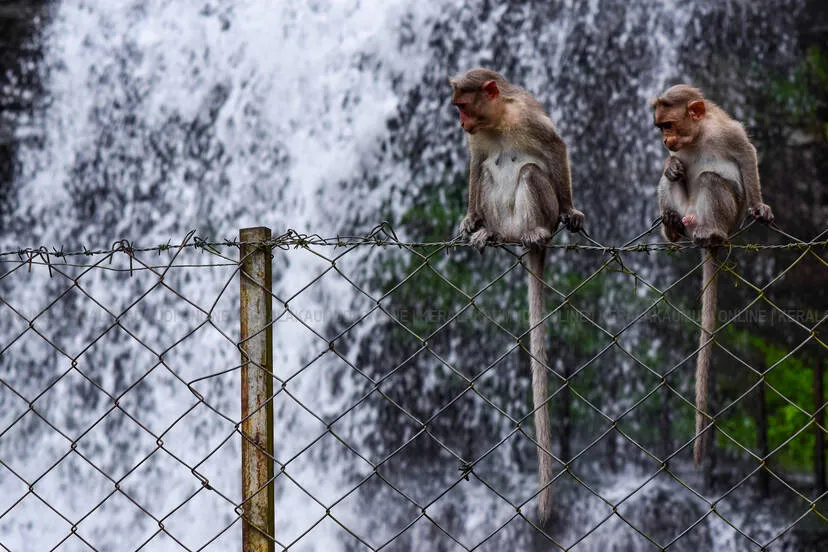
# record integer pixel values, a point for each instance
(679, 127)
(467, 104)
(476, 110)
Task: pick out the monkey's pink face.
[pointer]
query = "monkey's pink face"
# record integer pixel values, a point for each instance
(678, 128)
(466, 121)
(468, 104)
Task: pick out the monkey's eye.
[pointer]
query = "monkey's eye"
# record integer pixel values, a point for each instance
(666, 126)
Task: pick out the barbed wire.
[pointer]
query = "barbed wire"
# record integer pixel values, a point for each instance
(380, 236)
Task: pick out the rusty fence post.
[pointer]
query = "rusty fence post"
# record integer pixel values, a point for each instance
(256, 346)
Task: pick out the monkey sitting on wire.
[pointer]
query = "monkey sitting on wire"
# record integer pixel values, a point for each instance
(710, 181)
(519, 190)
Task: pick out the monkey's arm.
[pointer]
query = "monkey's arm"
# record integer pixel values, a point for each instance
(672, 195)
(553, 150)
(561, 175)
(672, 198)
(745, 155)
(474, 218)
(672, 188)
(558, 167)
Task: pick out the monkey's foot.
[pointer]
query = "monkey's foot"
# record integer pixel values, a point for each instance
(672, 225)
(470, 223)
(481, 238)
(670, 234)
(761, 212)
(708, 238)
(573, 220)
(536, 237)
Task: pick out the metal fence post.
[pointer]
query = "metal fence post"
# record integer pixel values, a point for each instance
(256, 347)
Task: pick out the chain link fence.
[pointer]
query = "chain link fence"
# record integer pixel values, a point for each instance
(403, 416)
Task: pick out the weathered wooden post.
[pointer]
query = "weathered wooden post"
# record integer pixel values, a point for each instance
(256, 392)
(819, 419)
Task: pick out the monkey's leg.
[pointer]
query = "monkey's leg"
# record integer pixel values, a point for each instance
(716, 209)
(673, 203)
(537, 205)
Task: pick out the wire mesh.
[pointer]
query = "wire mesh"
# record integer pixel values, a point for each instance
(120, 425)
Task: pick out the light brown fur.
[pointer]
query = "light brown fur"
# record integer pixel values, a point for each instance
(519, 189)
(710, 180)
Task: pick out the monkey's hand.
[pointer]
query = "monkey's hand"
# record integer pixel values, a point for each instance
(674, 169)
(470, 223)
(761, 212)
(573, 220)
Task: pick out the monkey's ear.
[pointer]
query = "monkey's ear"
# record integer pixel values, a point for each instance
(696, 109)
(491, 89)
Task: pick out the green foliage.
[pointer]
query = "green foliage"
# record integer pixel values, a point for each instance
(789, 396)
(790, 402)
(803, 94)
(436, 216)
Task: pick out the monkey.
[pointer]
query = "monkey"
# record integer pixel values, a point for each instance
(710, 181)
(520, 189)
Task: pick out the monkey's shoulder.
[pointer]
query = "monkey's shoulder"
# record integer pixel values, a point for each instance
(725, 133)
(541, 129)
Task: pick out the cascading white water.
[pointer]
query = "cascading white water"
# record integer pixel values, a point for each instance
(297, 93)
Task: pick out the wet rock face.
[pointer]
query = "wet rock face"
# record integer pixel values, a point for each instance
(20, 87)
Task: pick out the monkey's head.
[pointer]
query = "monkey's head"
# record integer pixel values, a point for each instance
(678, 114)
(477, 96)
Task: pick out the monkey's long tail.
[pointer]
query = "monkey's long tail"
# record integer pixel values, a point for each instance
(537, 347)
(708, 323)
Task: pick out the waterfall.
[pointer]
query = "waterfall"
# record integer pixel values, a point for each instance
(323, 116)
